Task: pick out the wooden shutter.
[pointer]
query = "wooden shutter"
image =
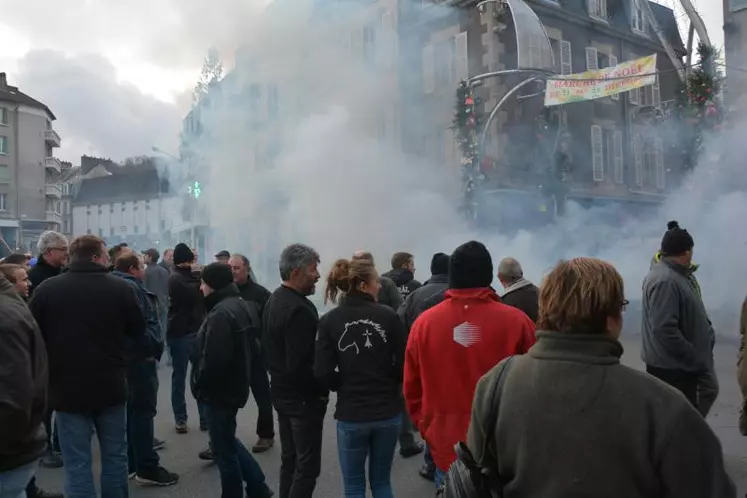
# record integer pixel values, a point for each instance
(657, 93)
(659, 162)
(428, 76)
(618, 155)
(597, 153)
(613, 63)
(566, 58)
(462, 56)
(633, 96)
(592, 62)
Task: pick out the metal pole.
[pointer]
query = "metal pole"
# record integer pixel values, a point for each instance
(473, 80)
(494, 112)
(192, 225)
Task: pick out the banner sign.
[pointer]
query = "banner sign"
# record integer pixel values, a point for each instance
(605, 82)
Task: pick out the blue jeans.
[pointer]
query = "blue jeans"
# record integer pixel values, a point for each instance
(375, 441)
(181, 350)
(13, 482)
(235, 464)
(142, 381)
(439, 477)
(76, 430)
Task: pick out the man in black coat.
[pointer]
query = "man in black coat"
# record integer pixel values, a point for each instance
(88, 317)
(403, 273)
(437, 284)
(520, 292)
(252, 292)
(221, 373)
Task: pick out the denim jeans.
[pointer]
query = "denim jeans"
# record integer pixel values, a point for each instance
(142, 381)
(260, 387)
(375, 441)
(13, 482)
(439, 477)
(181, 350)
(235, 464)
(76, 430)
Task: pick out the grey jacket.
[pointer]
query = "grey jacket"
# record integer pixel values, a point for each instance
(157, 281)
(677, 333)
(389, 294)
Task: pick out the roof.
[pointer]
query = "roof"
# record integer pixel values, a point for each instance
(128, 182)
(13, 94)
(668, 23)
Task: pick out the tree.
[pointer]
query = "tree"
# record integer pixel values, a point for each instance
(212, 73)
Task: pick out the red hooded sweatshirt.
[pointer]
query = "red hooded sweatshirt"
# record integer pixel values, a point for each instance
(450, 347)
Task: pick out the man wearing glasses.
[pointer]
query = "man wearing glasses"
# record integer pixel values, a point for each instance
(52, 257)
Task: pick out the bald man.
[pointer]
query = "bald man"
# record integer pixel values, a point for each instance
(520, 292)
(389, 294)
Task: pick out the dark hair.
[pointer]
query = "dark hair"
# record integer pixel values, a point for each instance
(115, 250)
(127, 261)
(86, 247)
(347, 275)
(15, 259)
(9, 271)
(152, 254)
(400, 259)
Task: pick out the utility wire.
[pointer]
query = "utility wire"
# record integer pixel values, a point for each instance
(643, 75)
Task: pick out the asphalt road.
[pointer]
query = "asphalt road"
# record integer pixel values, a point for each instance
(198, 479)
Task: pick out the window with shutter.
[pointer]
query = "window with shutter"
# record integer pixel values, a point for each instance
(618, 156)
(633, 96)
(428, 79)
(462, 56)
(638, 158)
(613, 63)
(566, 61)
(592, 61)
(636, 18)
(659, 162)
(597, 153)
(598, 9)
(657, 93)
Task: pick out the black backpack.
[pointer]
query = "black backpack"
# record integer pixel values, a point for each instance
(466, 478)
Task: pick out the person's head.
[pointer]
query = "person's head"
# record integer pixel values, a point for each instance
(183, 255)
(582, 296)
(17, 259)
(118, 250)
(403, 260)
(299, 268)
(215, 276)
(677, 244)
(16, 275)
(131, 263)
(151, 256)
(509, 271)
(470, 266)
(440, 264)
(88, 248)
(356, 275)
(168, 256)
(53, 247)
(240, 268)
(223, 257)
(361, 254)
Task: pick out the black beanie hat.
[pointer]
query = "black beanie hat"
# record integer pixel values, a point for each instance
(217, 275)
(183, 254)
(676, 240)
(470, 266)
(440, 264)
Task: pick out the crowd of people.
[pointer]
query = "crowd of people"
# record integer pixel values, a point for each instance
(515, 394)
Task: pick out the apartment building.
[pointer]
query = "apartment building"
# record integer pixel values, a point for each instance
(29, 190)
(735, 52)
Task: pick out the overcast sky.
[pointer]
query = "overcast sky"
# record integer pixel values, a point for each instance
(118, 74)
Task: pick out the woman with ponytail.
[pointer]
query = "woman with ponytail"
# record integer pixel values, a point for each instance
(360, 354)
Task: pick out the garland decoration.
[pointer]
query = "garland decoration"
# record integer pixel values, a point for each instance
(466, 125)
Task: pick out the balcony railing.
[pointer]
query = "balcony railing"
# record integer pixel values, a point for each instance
(54, 217)
(53, 191)
(52, 163)
(52, 138)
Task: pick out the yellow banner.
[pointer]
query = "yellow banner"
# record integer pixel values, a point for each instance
(601, 83)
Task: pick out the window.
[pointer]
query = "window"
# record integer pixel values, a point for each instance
(369, 43)
(659, 163)
(566, 62)
(636, 21)
(618, 160)
(4, 173)
(255, 95)
(445, 68)
(597, 153)
(3, 202)
(637, 146)
(598, 9)
(429, 83)
(387, 39)
(592, 59)
(462, 56)
(3, 146)
(611, 153)
(3, 116)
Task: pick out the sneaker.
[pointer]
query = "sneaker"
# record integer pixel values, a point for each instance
(427, 472)
(157, 477)
(206, 454)
(35, 491)
(267, 493)
(158, 444)
(131, 475)
(411, 451)
(182, 428)
(52, 460)
(263, 444)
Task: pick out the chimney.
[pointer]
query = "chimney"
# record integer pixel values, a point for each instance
(3, 81)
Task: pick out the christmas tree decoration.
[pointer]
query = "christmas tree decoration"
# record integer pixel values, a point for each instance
(466, 126)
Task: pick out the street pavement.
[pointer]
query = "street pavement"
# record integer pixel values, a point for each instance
(200, 479)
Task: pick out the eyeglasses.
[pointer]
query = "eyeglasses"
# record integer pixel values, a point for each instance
(625, 304)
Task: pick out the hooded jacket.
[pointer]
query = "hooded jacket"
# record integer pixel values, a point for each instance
(450, 347)
(23, 382)
(404, 280)
(149, 344)
(415, 303)
(186, 304)
(226, 343)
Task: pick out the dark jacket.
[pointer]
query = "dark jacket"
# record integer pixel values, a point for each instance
(225, 346)
(150, 343)
(360, 353)
(87, 317)
(389, 294)
(40, 272)
(414, 304)
(186, 304)
(289, 326)
(563, 431)
(252, 292)
(523, 295)
(404, 280)
(157, 281)
(23, 382)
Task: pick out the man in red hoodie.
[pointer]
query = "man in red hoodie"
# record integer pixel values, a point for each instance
(455, 343)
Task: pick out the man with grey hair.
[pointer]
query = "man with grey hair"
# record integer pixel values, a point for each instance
(289, 325)
(520, 292)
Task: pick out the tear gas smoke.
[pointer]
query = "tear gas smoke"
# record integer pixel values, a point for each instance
(338, 181)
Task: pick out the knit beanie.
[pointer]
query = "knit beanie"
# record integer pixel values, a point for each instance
(440, 264)
(676, 240)
(470, 266)
(217, 275)
(183, 254)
